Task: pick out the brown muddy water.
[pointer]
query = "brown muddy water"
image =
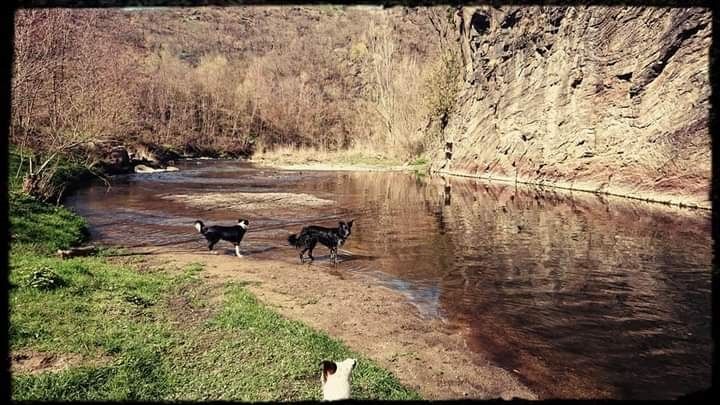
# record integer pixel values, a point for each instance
(574, 294)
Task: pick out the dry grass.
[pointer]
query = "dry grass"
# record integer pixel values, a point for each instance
(366, 155)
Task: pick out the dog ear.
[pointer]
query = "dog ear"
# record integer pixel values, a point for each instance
(350, 223)
(328, 368)
(341, 223)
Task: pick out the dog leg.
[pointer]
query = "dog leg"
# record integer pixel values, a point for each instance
(310, 250)
(302, 259)
(237, 251)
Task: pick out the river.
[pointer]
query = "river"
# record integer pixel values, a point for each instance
(576, 294)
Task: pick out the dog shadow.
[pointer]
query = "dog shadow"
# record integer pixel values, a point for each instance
(342, 258)
(245, 251)
(355, 256)
(259, 249)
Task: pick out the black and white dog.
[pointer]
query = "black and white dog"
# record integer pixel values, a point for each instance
(232, 234)
(309, 236)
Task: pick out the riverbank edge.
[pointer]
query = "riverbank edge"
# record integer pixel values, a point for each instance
(423, 354)
(37, 253)
(584, 187)
(587, 187)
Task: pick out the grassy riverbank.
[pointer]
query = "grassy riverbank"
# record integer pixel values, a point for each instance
(347, 159)
(111, 328)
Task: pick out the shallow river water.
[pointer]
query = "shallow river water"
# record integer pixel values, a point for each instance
(577, 295)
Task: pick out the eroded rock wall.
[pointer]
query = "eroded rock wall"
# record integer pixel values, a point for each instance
(612, 99)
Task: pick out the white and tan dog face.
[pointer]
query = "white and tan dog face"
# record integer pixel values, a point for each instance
(335, 379)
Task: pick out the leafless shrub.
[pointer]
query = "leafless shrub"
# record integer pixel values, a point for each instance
(284, 76)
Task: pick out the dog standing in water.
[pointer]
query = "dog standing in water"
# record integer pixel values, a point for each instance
(333, 238)
(335, 379)
(232, 234)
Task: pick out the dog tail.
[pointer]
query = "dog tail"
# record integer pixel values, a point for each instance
(293, 240)
(200, 227)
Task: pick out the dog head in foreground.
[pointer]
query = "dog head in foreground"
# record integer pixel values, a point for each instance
(335, 379)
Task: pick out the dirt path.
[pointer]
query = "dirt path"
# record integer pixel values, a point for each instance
(370, 319)
(34, 362)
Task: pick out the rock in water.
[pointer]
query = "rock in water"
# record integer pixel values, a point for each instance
(148, 169)
(144, 169)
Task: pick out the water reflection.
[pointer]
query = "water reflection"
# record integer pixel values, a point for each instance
(614, 294)
(580, 296)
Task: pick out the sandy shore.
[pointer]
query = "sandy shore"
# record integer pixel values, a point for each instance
(425, 355)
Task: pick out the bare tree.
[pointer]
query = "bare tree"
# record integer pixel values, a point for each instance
(65, 91)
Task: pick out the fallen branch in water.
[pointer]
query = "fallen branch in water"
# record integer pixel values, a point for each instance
(76, 252)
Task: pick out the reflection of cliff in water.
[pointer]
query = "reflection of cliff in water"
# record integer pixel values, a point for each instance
(577, 289)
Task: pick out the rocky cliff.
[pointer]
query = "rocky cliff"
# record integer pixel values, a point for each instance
(609, 99)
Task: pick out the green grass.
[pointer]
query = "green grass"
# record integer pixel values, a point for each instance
(44, 226)
(100, 311)
(155, 334)
(285, 366)
(420, 161)
(68, 173)
(420, 166)
(245, 351)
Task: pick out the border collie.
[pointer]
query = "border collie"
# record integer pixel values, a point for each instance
(335, 379)
(232, 234)
(309, 236)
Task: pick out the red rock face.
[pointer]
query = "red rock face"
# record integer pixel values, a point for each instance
(598, 98)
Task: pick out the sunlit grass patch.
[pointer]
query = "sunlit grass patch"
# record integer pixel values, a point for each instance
(241, 351)
(45, 227)
(95, 308)
(262, 356)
